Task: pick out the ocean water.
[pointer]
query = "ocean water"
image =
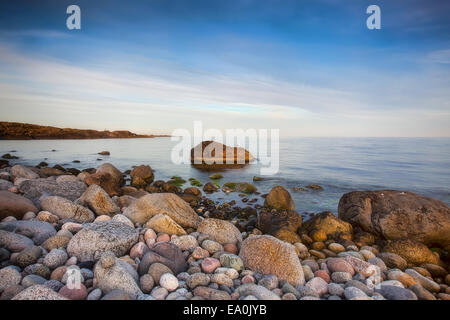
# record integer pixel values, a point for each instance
(339, 165)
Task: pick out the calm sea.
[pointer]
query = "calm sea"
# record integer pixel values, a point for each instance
(339, 165)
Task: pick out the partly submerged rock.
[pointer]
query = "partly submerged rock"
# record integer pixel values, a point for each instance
(393, 214)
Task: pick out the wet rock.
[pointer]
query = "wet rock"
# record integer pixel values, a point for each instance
(398, 215)
(329, 224)
(141, 176)
(19, 171)
(279, 199)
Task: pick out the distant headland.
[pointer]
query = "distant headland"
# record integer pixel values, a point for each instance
(26, 131)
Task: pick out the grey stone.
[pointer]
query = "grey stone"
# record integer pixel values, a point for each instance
(96, 238)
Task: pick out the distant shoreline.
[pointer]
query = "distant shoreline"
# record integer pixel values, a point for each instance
(26, 131)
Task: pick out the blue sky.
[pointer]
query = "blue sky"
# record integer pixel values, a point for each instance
(308, 68)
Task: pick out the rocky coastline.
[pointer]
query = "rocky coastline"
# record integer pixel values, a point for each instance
(130, 236)
(26, 131)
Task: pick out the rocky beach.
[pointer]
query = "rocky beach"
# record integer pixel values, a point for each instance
(129, 236)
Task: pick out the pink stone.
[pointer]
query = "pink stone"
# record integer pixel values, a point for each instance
(138, 250)
(149, 234)
(360, 266)
(318, 284)
(200, 253)
(339, 265)
(173, 236)
(248, 279)
(72, 261)
(231, 248)
(74, 294)
(150, 242)
(234, 296)
(322, 274)
(163, 237)
(210, 264)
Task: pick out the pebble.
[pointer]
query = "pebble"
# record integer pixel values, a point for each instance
(428, 284)
(248, 279)
(307, 272)
(212, 246)
(55, 258)
(221, 279)
(341, 277)
(197, 279)
(157, 269)
(318, 284)
(353, 292)
(231, 261)
(74, 293)
(340, 265)
(169, 282)
(322, 274)
(55, 285)
(95, 294)
(9, 276)
(32, 279)
(159, 293)
(269, 281)
(147, 283)
(396, 293)
(421, 292)
(230, 248)
(209, 265)
(335, 289)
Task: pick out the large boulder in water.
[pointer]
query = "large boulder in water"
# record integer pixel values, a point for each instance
(212, 154)
(12, 204)
(268, 255)
(394, 214)
(96, 238)
(108, 177)
(170, 204)
(141, 176)
(279, 199)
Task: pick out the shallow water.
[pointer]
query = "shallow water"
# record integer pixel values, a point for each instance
(339, 165)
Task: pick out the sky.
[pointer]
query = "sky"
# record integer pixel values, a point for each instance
(307, 68)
